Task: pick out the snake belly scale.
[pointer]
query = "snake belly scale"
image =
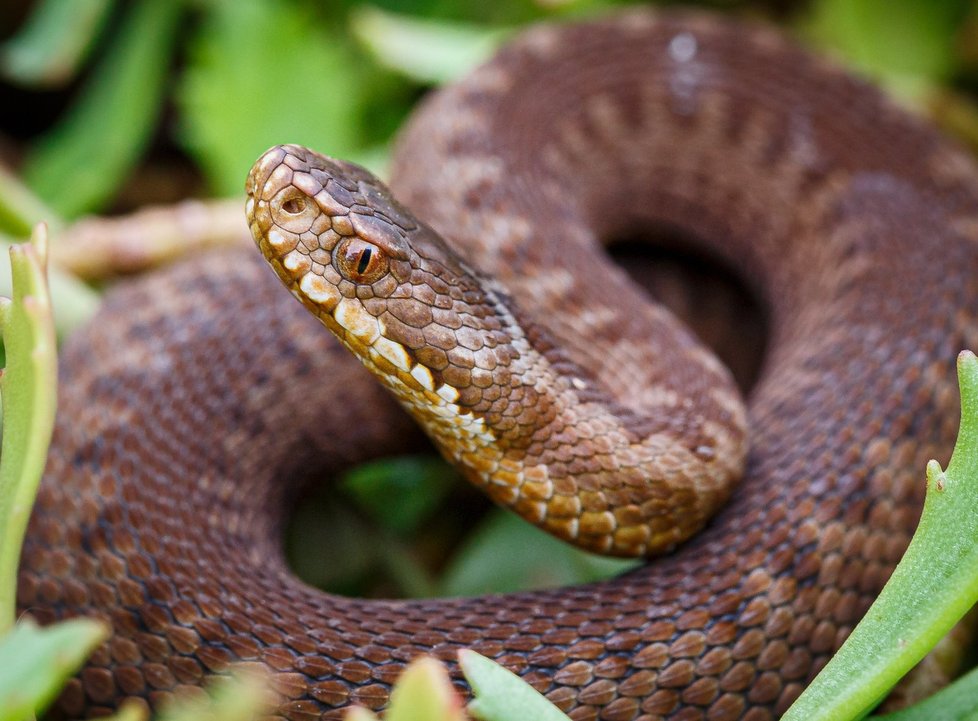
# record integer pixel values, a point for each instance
(198, 396)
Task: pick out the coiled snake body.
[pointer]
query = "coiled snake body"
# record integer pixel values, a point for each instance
(198, 396)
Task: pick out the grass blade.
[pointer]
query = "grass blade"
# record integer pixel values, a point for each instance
(427, 51)
(79, 165)
(48, 50)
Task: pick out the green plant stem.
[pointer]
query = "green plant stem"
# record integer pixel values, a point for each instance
(933, 586)
(73, 301)
(28, 385)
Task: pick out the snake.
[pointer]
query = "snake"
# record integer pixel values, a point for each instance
(477, 288)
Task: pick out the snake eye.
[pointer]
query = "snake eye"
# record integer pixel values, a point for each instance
(359, 261)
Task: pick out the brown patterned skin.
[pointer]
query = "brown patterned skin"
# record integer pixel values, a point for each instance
(632, 472)
(198, 392)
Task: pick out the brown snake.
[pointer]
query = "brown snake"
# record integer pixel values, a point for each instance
(199, 397)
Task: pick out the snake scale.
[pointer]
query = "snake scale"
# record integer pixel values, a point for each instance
(202, 395)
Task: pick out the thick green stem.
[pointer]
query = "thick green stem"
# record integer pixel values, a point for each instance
(28, 386)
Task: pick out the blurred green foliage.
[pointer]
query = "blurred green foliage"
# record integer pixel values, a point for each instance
(35, 663)
(909, 45)
(215, 82)
(54, 41)
(300, 81)
(78, 165)
(238, 77)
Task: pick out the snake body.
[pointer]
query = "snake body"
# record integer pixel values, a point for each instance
(201, 395)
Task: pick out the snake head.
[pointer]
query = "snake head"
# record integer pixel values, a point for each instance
(481, 377)
(321, 222)
(390, 289)
(386, 285)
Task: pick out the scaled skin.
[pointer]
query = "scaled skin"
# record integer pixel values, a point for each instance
(503, 402)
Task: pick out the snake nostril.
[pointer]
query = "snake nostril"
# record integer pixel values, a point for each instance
(294, 206)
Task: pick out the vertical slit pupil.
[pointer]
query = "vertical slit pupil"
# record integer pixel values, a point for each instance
(364, 261)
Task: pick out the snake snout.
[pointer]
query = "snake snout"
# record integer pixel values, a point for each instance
(262, 170)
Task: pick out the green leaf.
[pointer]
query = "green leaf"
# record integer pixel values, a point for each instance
(20, 209)
(400, 493)
(264, 72)
(508, 554)
(54, 41)
(427, 51)
(424, 693)
(931, 588)
(957, 702)
(79, 165)
(242, 696)
(501, 695)
(239, 697)
(35, 663)
(28, 386)
(129, 711)
(904, 43)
